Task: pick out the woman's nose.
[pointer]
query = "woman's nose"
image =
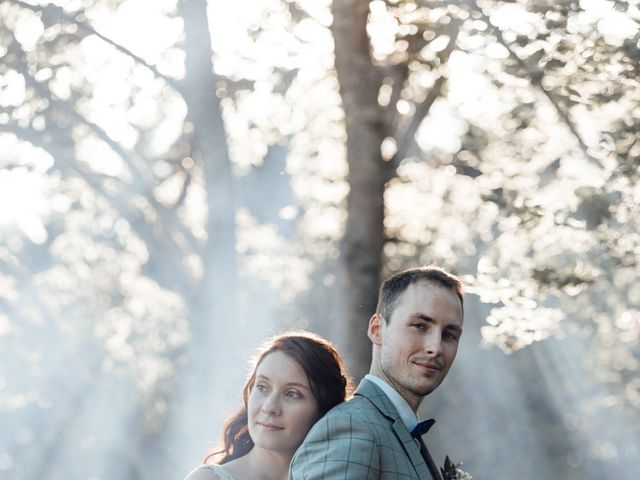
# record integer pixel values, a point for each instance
(271, 406)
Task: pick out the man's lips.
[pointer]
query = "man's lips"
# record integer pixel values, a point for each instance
(431, 367)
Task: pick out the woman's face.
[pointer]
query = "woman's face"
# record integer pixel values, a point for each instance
(281, 407)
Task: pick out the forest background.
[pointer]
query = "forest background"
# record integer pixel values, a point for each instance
(181, 179)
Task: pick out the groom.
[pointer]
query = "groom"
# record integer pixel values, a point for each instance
(415, 333)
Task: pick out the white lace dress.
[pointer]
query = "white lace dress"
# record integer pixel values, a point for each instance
(203, 472)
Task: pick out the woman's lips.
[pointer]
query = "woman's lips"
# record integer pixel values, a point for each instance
(270, 426)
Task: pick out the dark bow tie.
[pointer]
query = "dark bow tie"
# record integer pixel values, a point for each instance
(422, 428)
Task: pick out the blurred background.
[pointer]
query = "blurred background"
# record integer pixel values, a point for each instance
(181, 179)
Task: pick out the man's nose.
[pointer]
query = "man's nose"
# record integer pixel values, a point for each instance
(433, 343)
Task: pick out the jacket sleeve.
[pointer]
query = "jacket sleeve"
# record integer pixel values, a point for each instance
(337, 447)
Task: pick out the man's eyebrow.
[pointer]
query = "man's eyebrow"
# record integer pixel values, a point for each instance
(422, 316)
(454, 327)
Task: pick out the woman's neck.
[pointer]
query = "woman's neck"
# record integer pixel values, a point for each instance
(261, 464)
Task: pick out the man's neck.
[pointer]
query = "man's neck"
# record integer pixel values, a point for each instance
(404, 409)
(414, 401)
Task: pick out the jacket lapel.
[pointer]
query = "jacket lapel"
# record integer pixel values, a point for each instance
(411, 447)
(378, 398)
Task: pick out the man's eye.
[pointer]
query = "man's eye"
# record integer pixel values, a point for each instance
(450, 336)
(419, 326)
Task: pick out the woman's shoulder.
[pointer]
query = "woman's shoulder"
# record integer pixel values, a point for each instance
(209, 472)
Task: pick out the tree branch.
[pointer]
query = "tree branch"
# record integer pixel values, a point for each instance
(405, 139)
(538, 83)
(167, 214)
(398, 75)
(54, 11)
(170, 264)
(26, 286)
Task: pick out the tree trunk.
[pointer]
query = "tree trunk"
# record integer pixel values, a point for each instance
(215, 301)
(212, 307)
(361, 253)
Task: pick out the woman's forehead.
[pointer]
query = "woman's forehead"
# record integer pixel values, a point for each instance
(280, 365)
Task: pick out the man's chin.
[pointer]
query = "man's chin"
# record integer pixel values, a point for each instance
(425, 389)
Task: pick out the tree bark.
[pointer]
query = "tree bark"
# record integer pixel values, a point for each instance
(361, 253)
(212, 306)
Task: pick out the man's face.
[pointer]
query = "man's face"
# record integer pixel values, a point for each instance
(417, 345)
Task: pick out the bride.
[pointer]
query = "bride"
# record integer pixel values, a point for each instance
(298, 376)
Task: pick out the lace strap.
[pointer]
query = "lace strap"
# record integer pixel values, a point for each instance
(219, 471)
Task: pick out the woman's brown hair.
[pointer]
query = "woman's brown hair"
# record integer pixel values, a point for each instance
(327, 378)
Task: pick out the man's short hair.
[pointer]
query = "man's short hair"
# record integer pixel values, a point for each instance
(393, 286)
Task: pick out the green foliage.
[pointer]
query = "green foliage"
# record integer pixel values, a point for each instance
(541, 226)
(512, 150)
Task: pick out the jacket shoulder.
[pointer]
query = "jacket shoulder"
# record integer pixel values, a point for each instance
(342, 444)
(356, 414)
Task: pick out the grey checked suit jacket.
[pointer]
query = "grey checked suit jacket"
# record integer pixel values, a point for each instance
(361, 439)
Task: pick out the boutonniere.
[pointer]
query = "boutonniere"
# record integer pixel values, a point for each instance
(451, 471)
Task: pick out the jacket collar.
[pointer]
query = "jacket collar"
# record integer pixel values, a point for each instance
(377, 397)
(408, 416)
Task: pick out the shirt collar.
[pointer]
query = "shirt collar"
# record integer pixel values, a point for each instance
(406, 413)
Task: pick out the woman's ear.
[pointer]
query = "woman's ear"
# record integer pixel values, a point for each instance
(375, 329)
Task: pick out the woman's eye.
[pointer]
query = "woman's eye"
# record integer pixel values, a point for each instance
(293, 394)
(261, 388)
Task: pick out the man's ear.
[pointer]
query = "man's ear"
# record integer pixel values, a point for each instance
(375, 329)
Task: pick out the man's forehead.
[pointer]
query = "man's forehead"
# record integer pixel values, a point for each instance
(416, 290)
(421, 284)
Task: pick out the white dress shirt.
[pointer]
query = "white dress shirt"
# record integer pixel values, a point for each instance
(407, 415)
